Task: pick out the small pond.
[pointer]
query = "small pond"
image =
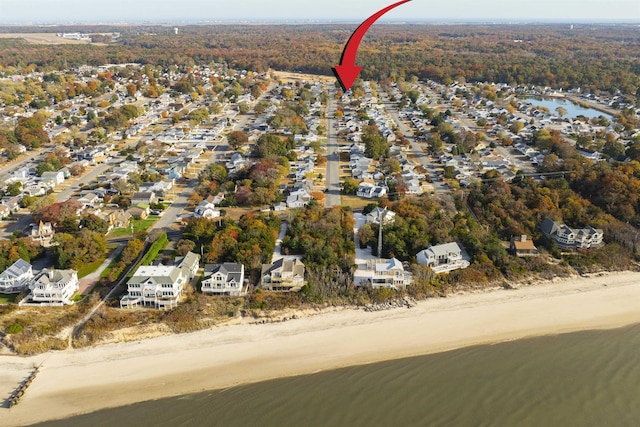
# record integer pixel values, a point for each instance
(573, 110)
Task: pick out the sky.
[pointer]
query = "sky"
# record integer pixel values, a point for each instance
(175, 11)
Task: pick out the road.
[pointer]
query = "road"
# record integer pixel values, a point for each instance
(332, 197)
(180, 200)
(18, 163)
(22, 224)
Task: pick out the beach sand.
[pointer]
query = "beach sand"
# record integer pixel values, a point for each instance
(80, 381)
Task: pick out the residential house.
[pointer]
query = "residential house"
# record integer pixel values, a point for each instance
(16, 277)
(379, 192)
(90, 200)
(43, 233)
(283, 275)
(93, 155)
(53, 178)
(118, 219)
(236, 162)
(444, 258)
(388, 217)
(414, 187)
(385, 273)
(298, 198)
(224, 279)
(5, 211)
(207, 209)
(123, 170)
(138, 212)
(176, 171)
(160, 188)
(365, 189)
(143, 197)
(52, 288)
(13, 203)
(189, 263)
(160, 286)
(522, 246)
(572, 238)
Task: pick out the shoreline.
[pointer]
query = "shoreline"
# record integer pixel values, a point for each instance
(74, 382)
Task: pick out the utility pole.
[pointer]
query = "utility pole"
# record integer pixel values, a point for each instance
(381, 214)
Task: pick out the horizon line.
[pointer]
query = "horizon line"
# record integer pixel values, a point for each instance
(496, 21)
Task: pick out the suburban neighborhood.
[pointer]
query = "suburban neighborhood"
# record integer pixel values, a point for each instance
(200, 155)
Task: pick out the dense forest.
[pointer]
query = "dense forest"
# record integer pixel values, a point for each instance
(593, 57)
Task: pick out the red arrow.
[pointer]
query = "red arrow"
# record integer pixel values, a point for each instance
(348, 71)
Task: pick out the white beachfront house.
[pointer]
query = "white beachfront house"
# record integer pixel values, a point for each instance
(444, 258)
(224, 279)
(16, 277)
(52, 288)
(572, 238)
(160, 286)
(384, 273)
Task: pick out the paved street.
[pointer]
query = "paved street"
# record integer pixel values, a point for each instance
(333, 157)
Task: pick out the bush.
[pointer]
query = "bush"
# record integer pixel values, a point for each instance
(16, 328)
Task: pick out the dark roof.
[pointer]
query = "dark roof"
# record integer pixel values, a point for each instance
(549, 227)
(232, 270)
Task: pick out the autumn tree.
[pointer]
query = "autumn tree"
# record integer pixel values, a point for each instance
(76, 251)
(237, 139)
(62, 215)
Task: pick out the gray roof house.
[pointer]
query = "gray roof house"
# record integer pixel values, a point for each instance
(224, 279)
(572, 238)
(283, 275)
(52, 288)
(16, 277)
(160, 286)
(444, 258)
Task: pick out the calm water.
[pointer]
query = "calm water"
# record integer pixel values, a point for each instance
(573, 110)
(581, 379)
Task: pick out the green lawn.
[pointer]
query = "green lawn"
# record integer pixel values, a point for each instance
(90, 268)
(138, 225)
(8, 298)
(355, 202)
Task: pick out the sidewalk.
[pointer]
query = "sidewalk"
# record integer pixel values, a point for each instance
(87, 283)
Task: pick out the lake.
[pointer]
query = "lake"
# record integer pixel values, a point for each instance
(573, 110)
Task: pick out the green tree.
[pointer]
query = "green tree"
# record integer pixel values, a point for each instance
(94, 223)
(436, 144)
(237, 139)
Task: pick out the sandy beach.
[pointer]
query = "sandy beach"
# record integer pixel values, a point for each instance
(80, 381)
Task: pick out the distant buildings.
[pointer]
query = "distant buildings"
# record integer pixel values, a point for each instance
(572, 238)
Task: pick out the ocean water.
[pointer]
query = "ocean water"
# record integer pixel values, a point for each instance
(580, 379)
